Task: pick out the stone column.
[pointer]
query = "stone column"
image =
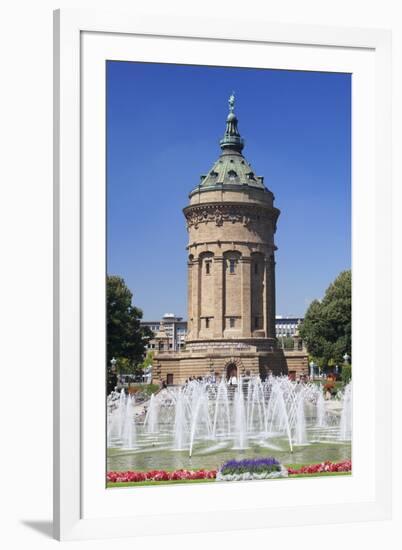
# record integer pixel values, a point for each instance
(271, 307)
(189, 298)
(246, 296)
(195, 299)
(218, 266)
(266, 293)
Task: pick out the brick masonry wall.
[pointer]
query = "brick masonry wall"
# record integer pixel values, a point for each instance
(185, 365)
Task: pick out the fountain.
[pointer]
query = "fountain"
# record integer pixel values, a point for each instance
(300, 437)
(128, 425)
(222, 409)
(121, 421)
(201, 415)
(345, 431)
(239, 418)
(320, 409)
(179, 422)
(151, 418)
(256, 410)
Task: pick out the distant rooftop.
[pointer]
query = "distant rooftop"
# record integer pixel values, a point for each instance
(172, 316)
(288, 317)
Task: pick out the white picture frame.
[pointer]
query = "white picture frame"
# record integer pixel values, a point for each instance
(83, 508)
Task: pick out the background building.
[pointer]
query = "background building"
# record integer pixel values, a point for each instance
(174, 329)
(286, 326)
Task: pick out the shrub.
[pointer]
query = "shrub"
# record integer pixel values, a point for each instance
(346, 373)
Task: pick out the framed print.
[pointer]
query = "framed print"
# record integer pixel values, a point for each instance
(239, 409)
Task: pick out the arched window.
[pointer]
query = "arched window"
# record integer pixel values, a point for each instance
(206, 258)
(232, 259)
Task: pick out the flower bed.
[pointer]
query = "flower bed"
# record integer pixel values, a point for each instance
(159, 475)
(259, 468)
(233, 470)
(344, 466)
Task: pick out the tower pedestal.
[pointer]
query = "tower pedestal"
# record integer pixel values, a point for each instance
(219, 359)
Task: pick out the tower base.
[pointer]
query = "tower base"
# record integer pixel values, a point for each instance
(219, 359)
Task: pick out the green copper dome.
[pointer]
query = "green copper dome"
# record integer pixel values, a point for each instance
(231, 168)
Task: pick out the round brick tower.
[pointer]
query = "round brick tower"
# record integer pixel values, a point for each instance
(231, 221)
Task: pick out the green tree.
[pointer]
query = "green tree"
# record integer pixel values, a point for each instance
(126, 339)
(286, 342)
(327, 326)
(148, 360)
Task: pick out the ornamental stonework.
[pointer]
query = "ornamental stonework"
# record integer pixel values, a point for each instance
(221, 213)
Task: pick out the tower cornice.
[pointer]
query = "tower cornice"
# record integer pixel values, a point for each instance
(229, 212)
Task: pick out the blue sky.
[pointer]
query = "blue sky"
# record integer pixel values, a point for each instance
(164, 123)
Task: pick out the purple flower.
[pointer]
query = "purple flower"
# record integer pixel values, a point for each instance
(252, 465)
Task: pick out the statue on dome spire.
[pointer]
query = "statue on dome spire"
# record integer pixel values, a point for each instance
(231, 102)
(231, 139)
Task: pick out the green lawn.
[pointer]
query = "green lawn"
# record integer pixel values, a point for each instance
(143, 483)
(322, 474)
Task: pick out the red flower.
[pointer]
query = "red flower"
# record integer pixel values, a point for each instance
(159, 475)
(344, 466)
